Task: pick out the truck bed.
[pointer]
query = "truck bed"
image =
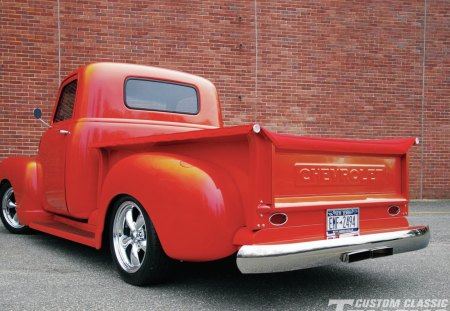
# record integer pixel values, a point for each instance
(298, 176)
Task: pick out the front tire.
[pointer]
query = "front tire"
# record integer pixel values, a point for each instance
(8, 214)
(134, 244)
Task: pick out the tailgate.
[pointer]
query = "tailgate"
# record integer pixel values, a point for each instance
(316, 182)
(301, 179)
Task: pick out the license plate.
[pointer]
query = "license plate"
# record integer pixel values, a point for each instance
(342, 222)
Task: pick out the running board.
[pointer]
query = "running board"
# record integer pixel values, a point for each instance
(69, 229)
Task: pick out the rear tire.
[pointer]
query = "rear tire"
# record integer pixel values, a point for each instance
(8, 213)
(134, 244)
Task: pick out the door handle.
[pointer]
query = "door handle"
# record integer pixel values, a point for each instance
(64, 132)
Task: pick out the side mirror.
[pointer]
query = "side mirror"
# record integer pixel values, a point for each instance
(38, 115)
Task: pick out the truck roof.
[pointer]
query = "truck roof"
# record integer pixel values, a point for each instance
(101, 87)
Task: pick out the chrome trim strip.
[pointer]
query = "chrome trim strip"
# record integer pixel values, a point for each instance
(269, 258)
(300, 203)
(339, 164)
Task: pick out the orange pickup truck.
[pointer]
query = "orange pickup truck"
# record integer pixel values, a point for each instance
(136, 158)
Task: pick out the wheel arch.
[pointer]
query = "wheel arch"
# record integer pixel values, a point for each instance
(21, 174)
(194, 206)
(4, 181)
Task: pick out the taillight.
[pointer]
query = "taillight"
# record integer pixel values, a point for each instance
(278, 219)
(394, 210)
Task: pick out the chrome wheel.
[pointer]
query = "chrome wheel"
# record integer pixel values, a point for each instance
(134, 244)
(129, 236)
(9, 209)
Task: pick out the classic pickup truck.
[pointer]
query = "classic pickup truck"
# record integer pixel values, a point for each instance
(136, 158)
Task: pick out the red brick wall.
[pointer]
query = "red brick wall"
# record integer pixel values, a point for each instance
(352, 69)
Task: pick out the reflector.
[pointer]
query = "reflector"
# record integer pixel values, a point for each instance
(393, 210)
(278, 219)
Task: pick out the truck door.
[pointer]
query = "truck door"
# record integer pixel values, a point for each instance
(53, 148)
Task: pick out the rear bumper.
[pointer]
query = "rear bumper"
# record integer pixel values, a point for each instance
(286, 257)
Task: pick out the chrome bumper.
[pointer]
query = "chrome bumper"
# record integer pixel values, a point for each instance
(268, 258)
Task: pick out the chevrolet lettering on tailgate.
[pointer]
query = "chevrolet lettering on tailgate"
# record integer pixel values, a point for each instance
(338, 173)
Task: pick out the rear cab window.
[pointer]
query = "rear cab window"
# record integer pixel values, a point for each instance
(152, 95)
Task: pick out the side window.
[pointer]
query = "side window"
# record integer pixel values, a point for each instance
(66, 102)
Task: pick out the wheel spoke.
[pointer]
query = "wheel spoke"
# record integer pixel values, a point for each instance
(11, 204)
(130, 222)
(134, 256)
(125, 241)
(140, 222)
(143, 244)
(129, 236)
(15, 219)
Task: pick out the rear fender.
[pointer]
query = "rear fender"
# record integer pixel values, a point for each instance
(21, 173)
(194, 206)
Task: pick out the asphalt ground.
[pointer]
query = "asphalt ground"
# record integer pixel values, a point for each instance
(42, 272)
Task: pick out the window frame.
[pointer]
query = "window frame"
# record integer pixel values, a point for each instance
(197, 93)
(69, 82)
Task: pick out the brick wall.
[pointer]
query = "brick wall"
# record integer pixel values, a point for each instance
(354, 69)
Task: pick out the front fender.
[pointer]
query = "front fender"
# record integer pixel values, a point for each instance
(194, 206)
(21, 172)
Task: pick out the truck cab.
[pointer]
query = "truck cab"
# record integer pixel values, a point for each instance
(104, 102)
